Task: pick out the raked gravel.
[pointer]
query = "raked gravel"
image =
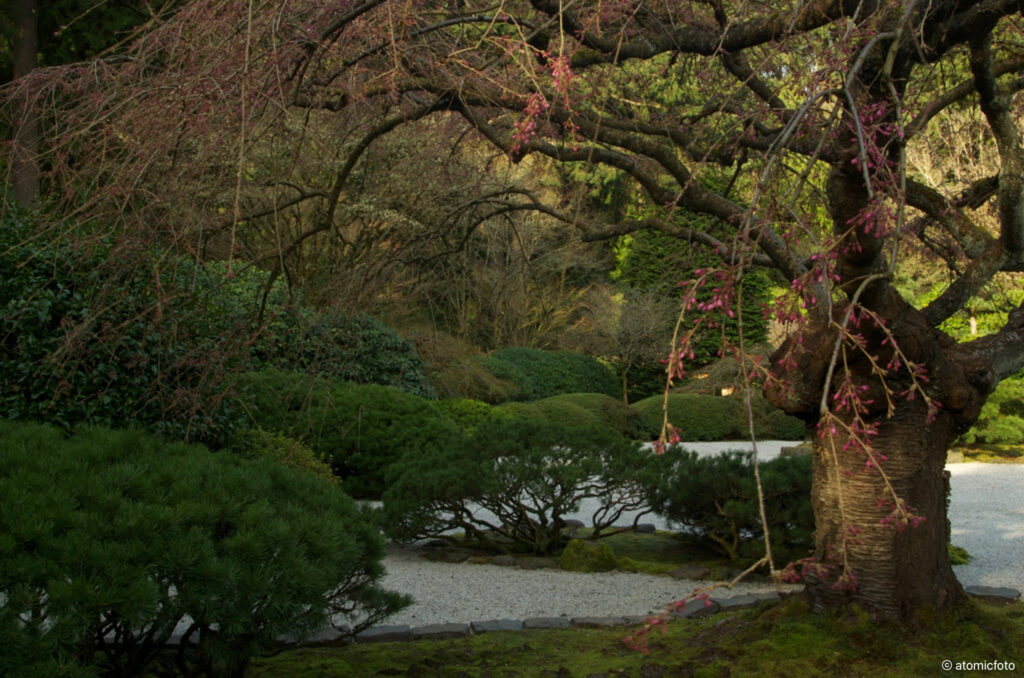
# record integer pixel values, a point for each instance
(986, 512)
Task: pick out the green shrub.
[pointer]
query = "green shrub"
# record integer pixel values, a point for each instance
(95, 333)
(1002, 416)
(361, 428)
(466, 412)
(540, 374)
(110, 539)
(716, 497)
(527, 475)
(284, 450)
(590, 410)
(356, 348)
(777, 425)
(554, 410)
(698, 417)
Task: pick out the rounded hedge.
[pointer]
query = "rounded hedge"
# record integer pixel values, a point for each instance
(357, 348)
(587, 410)
(361, 429)
(112, 541)
(706, 417)
(540, 374)
(698, 417)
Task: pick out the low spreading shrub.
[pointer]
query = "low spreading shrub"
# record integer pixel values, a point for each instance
(526, 476)
(110, 540)
(1002, 416)
(540, 374)
(716, 497)
(360, 428)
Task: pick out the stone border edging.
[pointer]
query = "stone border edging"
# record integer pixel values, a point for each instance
(694, 609)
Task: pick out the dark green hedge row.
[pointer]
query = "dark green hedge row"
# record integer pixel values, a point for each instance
(361, 429)
(704, 417)
(109, 540)
(536, 374)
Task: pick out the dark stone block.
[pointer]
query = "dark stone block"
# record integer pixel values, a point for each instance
(739, 602)
(546, 623)
(995, 592)
(697, 608)
(598, 622)
(384, 633)
(440, 631)
(496, 625)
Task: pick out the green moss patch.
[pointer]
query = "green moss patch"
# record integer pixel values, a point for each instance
(587, 556)
(780, 640)
(994, 454)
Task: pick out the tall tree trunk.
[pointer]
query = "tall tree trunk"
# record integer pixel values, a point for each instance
(900, 568)
(25, 152)
(872, 547)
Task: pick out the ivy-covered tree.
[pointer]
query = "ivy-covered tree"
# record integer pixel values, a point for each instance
(808, 110)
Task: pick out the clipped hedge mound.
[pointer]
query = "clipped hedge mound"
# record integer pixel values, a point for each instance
(356, 348)
(360, 428)
(587, 410)
(698, 417)
(705, 417)
(110, 539)
(537, 374)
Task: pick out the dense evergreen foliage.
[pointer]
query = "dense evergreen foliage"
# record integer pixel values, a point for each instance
(356, 348)
(1002, 417)
(591, 410)
(110, 541)
(540, 374)
(83, 340)
(361, 429)
(526, 475)
(705, 417)
(716, 497)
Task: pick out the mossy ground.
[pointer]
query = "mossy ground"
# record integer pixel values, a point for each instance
(780, 640)
(994, 454)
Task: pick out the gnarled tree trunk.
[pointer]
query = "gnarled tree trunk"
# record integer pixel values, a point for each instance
(897, 568)
(880, 507)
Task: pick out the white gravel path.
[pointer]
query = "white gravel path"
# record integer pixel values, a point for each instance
(986, 512)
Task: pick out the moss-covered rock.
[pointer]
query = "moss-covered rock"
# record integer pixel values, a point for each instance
(587, 556)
